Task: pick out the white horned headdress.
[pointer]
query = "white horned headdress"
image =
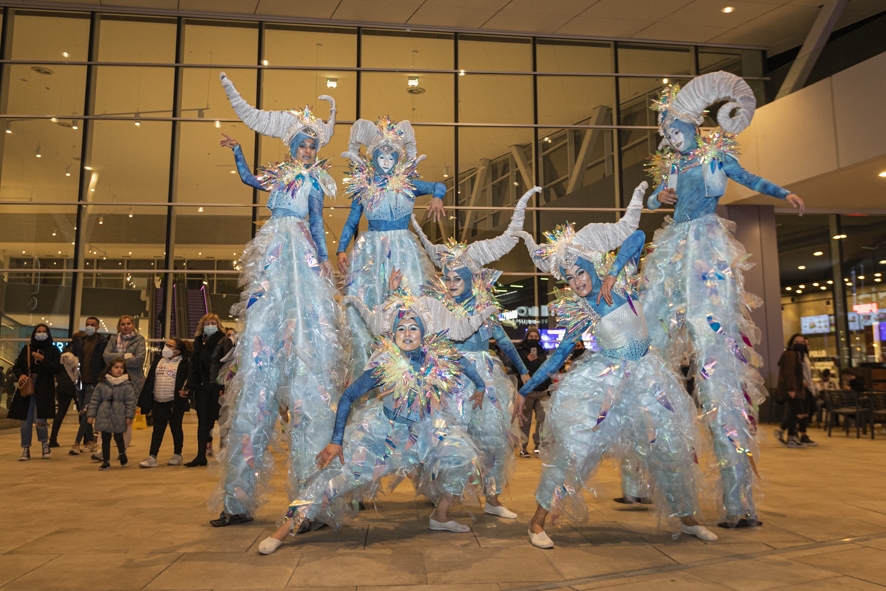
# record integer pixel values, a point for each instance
(282, 124)
(456, 255)
(434, 315)
(384, 135)
(688, 104)
(565, 245)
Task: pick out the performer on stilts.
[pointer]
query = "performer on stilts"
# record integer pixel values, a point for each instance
(293, 349)
(466, 287)
(383, 186)
(404, 432)
(623, 400)
(692, 286)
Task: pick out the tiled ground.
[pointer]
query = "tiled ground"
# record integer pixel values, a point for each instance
(64, 525)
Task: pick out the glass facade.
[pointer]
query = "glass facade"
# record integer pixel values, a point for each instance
(117, 199)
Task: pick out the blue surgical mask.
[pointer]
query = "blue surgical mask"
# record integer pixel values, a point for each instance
(210, 330)
(41, 336)
(89, 330)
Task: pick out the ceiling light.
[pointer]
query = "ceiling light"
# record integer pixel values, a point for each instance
(664, 80)
(233, 172)
(68, 170)
(130, 212)
(199, 210)
(798, 291)
(218, 124)
(331, 82)
(802, 267)
(727, 9)
(839, 236)
(877, 274)
(138, 124)
(883, 262)
(802, 287)
(65, 54)
(264, 62)
(788, 288)
(7, 128)
(823, 288)
(54, 119)
(87, 168)
(54, 231)
(74, 126)
(817, 253)
(412, 82)
(861, 276)
(877, 280)
(101, 220)
(883, 174)
(38, 151)
(461, 72)
(830, 282)
(815, 284)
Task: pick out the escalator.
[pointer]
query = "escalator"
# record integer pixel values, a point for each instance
(189, 304)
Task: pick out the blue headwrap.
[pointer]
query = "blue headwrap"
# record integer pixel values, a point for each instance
(299, 138)
(587, 266)
(421, 325)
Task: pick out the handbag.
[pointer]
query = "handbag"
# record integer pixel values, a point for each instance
(28, 388)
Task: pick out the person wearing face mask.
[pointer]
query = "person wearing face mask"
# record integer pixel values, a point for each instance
(89, 348)
(624, 401)
(34, 401)
(164, 396)
(210, 346)
(292, 350)
(692, 285)
(467, 286)
(534, 356)
(793, 391)
(405, 432)
(129, 345)
(382, 185)
(112, 409)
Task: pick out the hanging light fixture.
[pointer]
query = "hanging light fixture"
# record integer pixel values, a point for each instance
(331, 82)
(68, 170)
(38, 152)
(101, 220)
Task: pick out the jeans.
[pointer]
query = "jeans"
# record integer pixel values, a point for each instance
(27, 431)
(64, 403)
(793, 407)
(164, 413)
(85, 433)
(533, 403)
(106, 445)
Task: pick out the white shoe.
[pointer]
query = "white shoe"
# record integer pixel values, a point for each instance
(269, 545)
(540, 540)
(500, 511)
(175, 460)
(149, 462)
(699, 531)
(452, 526)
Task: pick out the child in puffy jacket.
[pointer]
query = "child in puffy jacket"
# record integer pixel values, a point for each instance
(112, 409)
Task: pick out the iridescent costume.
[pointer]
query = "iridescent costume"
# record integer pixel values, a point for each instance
(692, 286)
(403, 432)
(623, 401)
(386, 198)
(291, 352)
(490, 425)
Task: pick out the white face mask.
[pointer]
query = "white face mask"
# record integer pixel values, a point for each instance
(167, 353)
(210, 330)
(41, 336)
(89, 330)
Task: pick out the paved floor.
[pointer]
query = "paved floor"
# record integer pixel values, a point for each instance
(64, 525)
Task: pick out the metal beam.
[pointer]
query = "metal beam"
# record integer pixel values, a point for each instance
(522, 165)
(815, 41)
(577, 177)
(479, 184)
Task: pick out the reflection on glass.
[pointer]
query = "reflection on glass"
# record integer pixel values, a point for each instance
(407, 49)
(416, 97)
(576, 166)
(293, 89)
(295, 45)
(41, 161)
(133, 92)
(206, 171)
(502, 54)
(115, 235)
(488, 98)
(571, 100)
(129, 163)
(220, 42)
(567, 55)
(124, 38)
(51, 36)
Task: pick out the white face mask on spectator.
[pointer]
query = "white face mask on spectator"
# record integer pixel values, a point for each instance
(89, 330)
(167, 353)
(41, 336)
(210, 329)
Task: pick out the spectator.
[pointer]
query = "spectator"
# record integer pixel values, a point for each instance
(533, 355)
(36, 366)
(209, 348)
(827, 381)
(129, 345)
(88, 347)
(112, 409)
(851, 381)
(231, 334)
(165, 397)
(792, 392)
(66, 381)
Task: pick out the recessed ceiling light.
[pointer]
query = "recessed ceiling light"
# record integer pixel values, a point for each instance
(861, 276)
(883, 262)
(815, 284)
(331, 82)
(877, 274)
(802, 267)
(817, 253)
(830, 282)
(883, 174)
(788, 288)
(65, 54)
(802, 287)
(798, 291)
(264, 62)
(727, 9)
(412, 82)
(664, 80)
(823, 288)
(877, 280)
(839, 236)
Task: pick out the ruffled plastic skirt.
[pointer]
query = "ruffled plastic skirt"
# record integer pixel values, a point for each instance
(436, 453)
(627, 410)
(490, 425)
(290, 356)
(693, 296)
(374, 256)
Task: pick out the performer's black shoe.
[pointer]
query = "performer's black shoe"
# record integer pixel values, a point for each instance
(627, 500)
(228, 519)
(743, 522)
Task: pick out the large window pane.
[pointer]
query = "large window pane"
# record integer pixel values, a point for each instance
(293, 45)
(566, 55)
(134, 92)
(51, 36)
(220, 42)
(46, 90)
(489, 98)
(396, 49)
(503, 54)
(129, 163)
(136, 39)
(283, 90)
(207, 172)
(430, 100)
(577, 167)
(123, 234)
(41, 161)
(570, 100)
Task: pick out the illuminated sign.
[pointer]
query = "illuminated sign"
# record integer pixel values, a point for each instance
(865, 308)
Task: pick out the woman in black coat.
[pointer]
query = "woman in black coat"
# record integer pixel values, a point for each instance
(164, 396)
(39, 359)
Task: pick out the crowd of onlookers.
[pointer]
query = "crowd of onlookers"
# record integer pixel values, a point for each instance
(104, 378)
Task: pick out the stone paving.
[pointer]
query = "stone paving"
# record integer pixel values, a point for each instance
(65, 525)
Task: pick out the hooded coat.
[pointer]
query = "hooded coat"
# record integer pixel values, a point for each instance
(111, 404)
(45, 372)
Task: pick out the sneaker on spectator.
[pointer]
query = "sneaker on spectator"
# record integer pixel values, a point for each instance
(806, 441)
(524, 453)
(149, 462)
(175, 460)
(26, 454)
(794, 442)
(47, 453)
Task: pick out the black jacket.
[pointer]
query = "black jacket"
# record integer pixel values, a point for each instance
(146, 397)
(206, 361)
(44, 389)
(97, 364)
(532, 366)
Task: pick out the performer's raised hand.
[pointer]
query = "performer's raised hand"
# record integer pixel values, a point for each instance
(606, 290)
(436, 211)
(342, 263)
(796, 203)
(518, 409)
(395, 279)
(228, 142)
(328, 453)
(668, 196)
(477, 398)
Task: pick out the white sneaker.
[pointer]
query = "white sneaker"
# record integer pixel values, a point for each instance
(500, 511)
(269, 545)
(149, 462)
(175, 460)
(541, 540)
(452, 526)
(699, 531)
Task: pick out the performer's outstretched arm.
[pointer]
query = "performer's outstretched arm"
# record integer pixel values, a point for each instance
(630, 250)
(554, 361)
(738, 174)
(243, 168)
(358, 388)
(508, 348)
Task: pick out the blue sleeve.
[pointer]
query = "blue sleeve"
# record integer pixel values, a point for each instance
(508, 348)
(437, 190)
(555, 361)
(653, 202)
(245, 173)
(741, 176)
(350, 228)
(358, 388)
(630, 251)
(471, 372)
(315, 222)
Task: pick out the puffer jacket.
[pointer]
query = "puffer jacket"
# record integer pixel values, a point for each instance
(134, 365)
(111, 405)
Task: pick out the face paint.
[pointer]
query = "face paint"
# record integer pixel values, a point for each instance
(306, 151)
(579, 281)
(454, 283)
(407, 335)
(385, 161)
(681, 136)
